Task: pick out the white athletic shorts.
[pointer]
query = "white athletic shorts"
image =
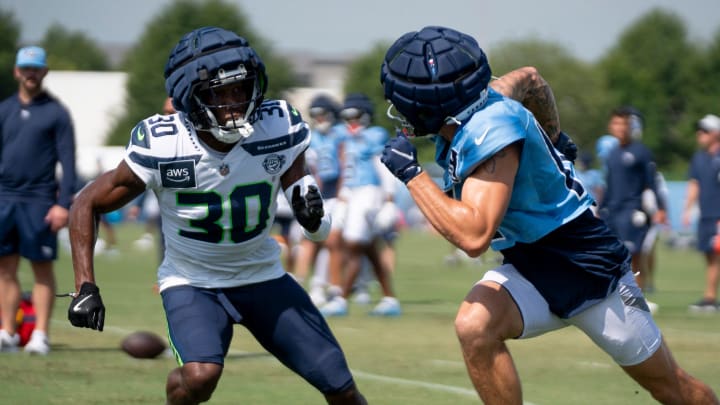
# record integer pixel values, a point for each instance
(363, 204)
(338, 212)
(618, 325)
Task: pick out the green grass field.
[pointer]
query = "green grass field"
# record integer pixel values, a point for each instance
(414, 359)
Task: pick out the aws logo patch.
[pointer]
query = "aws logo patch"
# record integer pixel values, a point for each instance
(178, 174)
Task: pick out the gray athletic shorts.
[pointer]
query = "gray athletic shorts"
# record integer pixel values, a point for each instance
(621, 325)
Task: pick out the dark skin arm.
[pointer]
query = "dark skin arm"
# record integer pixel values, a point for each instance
(528, 87)
(295, 172)
(109, 192)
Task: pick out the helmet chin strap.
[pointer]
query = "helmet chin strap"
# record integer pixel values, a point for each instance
(232, 135)
(232, 131)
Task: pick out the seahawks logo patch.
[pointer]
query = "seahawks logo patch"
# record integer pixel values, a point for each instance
(273, 163)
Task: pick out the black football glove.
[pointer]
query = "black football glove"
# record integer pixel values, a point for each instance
(87, 309)
(566, 146)
(400, 157)
(308, 209)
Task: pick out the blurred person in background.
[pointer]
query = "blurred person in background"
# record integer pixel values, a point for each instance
(364, 195)
(631, 172)
(704, 189)
(36, 134)
(508, 184)
(323, 160)
(591, 178)
(216, 167)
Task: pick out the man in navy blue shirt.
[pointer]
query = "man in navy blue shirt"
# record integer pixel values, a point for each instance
(704, 188)
(36, 133)
(630, 172)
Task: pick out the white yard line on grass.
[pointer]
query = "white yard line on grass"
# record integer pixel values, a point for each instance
(414, 383)
(357, 373)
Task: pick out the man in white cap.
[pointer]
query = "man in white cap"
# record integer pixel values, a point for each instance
(704, 189)
(36, 133)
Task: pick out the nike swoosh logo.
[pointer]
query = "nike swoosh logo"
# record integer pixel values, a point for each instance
(479, 140)
(77, 308)
(141, 135)
(403, 154)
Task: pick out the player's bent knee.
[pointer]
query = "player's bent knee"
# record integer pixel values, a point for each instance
(486, 318)
(473, 331)
(350, 396)
(200, 379)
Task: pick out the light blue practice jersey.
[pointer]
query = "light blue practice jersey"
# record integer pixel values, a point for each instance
(327, 150)
(360, 152)
(546, 193)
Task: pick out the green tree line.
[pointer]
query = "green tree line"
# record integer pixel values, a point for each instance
(654, 66)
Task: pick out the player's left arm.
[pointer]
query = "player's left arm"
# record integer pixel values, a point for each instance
(470, 223)
(304, 196)
(528, 87)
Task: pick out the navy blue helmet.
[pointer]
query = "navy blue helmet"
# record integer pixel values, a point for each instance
(323, 113)
(434, 76)
(323, 104)
(358, 106)
(207, 63)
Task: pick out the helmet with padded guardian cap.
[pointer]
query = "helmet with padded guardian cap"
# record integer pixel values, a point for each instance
(203, 63)
(433, 77)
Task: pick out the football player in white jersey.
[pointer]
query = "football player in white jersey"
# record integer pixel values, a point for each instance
(216, 167)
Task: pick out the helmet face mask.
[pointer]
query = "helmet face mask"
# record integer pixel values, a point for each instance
(323, 113)
(226, 101)
(218, 81)
(321, 119)
(357, 112)
(405, 127)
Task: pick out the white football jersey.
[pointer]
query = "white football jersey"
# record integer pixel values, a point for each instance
(217, 209)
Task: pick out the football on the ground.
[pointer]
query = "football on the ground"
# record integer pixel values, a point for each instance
(143, 345)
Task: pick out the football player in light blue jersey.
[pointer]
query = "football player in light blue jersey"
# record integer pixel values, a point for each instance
(511, 188)
(363, 193)
(323, 159)
(217, 167)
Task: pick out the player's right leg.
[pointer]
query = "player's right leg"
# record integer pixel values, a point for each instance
(503, 305)
(200, 331)
(9, 284)
(192, 383)
(9, 301)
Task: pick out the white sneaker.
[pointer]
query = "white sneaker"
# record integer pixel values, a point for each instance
(362, 297)
(145, 242)
(9, 343)
(388, 306)
(38, 343)
(317, 296)
(335, 307)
